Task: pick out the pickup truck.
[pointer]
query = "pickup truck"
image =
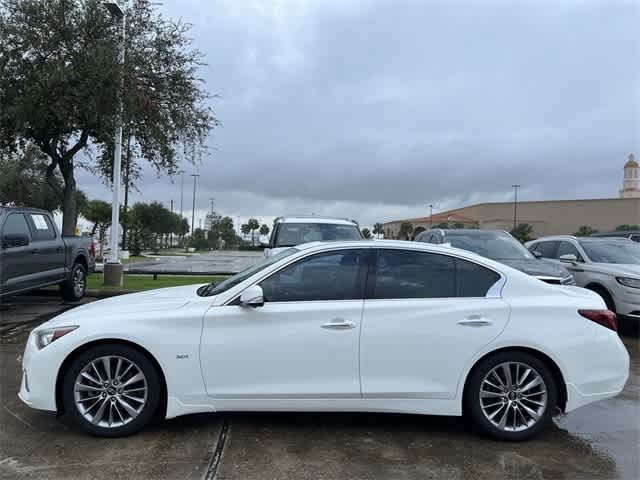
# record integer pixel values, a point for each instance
(34, 254)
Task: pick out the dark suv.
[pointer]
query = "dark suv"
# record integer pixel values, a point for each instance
(501, 247)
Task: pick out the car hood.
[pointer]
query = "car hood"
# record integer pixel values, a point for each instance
(162, 299)
(537, 267)
(616, 268)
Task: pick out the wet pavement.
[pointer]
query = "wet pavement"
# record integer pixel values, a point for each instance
(213, 263)
(599, 441)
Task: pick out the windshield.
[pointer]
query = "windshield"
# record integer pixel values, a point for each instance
(217, 288)
(292, 234)
(612, 251)
(494, 245)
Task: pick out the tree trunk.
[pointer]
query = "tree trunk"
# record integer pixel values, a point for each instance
(69, 213)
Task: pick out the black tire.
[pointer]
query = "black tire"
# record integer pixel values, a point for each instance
(473, 406)
(75, 286)
(605, 296)
(147, 410)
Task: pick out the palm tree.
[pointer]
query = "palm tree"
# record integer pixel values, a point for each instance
(253, 226)
(378, 228)
(366, 233)
(264, 229)
(522, 232)
(245, 229)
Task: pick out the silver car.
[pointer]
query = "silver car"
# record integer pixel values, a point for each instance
(608, 266)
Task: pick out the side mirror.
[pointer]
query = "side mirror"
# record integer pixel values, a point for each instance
(568, 257)
(536, 254)
(252, 297)
(15, 240)
(264, 244)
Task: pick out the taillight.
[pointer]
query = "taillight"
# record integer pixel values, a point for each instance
(606, 318)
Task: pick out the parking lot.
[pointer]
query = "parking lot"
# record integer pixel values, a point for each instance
(600, 441)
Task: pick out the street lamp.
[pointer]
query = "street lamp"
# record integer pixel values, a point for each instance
(430, 216)
(193, 208)
(515, 206)
(113, 268)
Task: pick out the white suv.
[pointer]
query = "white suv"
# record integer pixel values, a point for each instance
(608, 266)
(291, 231)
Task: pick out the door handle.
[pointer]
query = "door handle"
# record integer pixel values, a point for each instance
(475, 321)
(35, 251)
(338, 324)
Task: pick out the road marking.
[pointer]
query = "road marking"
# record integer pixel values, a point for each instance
(14, 415)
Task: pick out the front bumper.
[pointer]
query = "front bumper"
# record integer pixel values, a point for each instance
(39, 374)
(627, 301)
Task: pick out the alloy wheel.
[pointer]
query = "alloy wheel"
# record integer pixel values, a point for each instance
(513, 396)
(110, 391)
(78, 282)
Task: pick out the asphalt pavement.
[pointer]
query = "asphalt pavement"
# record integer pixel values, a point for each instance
(599, 441)
(219, 262)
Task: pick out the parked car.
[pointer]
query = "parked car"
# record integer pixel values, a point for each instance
(608, 266)
(291, 231)
(385, 326)
(500, 246)
(629, 234)
(34, 254)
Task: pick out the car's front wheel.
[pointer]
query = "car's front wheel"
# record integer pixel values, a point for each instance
(111, 390)
(511, 396)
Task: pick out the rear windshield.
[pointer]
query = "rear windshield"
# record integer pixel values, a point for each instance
(292, 234)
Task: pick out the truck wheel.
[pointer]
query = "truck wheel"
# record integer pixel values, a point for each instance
(75, 286)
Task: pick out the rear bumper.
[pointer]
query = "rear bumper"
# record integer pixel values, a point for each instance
(607, 376)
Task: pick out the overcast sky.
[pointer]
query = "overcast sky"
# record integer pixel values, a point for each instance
(375, 109)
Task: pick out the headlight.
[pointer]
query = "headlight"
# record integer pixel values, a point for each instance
(45, 337)
(629, 282)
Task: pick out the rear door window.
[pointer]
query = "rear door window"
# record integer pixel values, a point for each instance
(42, 227)
(412, 274)
(474, 280)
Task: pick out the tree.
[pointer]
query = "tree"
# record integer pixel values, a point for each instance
(253, 226)
(523, 232)
(366, 233)
(378, 229)
(406, 229)
(585, 231)
(23, 180)
(222, 233)
(444, 225)
(627, 228)
(264, 230)
(245, 229)
(98, 212)
(60, 78)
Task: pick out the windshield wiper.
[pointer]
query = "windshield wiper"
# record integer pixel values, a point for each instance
(206, 290)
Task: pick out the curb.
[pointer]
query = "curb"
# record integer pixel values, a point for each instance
(100, 294)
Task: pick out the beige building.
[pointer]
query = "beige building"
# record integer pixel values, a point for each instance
(549, 217)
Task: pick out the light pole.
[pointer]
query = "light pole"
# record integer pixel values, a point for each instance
(430, 216)
(515, 205)
(113, 268)
(181, 192)
(193, 208)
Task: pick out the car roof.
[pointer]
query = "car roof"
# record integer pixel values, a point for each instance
(315, 219)
(616, 233)
(22, 209)
(467, 231)
(581, 239)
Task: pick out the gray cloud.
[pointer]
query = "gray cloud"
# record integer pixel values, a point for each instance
(373, 109)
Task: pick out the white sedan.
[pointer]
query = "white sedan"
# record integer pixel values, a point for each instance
(382, 326)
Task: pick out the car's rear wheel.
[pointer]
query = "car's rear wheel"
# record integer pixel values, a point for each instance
(111, 390)
(75, 286)
(511, 395)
